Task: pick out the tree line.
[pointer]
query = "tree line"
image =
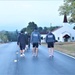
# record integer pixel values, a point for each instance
(67, 8)
(31, 26)
(7, 36)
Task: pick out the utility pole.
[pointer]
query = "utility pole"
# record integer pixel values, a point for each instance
(50, 26)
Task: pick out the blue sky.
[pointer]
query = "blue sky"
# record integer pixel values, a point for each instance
(17, 14)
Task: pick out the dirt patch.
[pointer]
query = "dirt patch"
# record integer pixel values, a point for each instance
(67, 47)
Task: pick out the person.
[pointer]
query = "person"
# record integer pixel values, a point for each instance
(50, 40)
(35, 40)
(22, 43)
(27, 41)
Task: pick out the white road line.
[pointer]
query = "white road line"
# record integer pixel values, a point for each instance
(65, 54)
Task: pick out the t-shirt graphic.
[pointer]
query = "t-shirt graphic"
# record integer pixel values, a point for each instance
(35, 35)
(50, 36)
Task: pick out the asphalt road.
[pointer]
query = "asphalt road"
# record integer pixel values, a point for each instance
(28, 65)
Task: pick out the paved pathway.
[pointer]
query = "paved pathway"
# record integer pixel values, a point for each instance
(42, 65)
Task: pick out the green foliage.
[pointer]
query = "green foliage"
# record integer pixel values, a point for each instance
(69, 8)
(64, 9)
(53, 28)
(24, 29)
(40, 29)
(45, 29)
(6, 36)
(31, 26)
(3, 37)
(12, 36)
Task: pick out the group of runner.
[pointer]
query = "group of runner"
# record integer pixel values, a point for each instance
(24, 41)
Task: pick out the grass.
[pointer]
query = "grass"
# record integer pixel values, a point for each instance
(67, 47)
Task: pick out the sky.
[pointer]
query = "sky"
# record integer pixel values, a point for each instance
(16, 14)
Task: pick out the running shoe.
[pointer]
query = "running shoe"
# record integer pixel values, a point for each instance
(23, 54)
(51, 55)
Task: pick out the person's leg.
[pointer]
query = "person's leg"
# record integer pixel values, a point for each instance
(24, 49)
(50, 52)
(27, 46)
(33, 50)
(48, 45)
(36, 49)
(49, 48)
(52, 49)
(21, 52)
(21, 49)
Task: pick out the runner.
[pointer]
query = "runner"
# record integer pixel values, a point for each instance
(21, 42)
(50, 40)
(27, 40)
(35, 40)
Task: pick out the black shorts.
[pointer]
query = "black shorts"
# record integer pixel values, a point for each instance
(50, 44)
(22, 46)
(35, 45)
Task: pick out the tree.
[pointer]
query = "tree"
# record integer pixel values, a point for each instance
(3, 37)
(12, 36)
(40, 29)
(24, 29)
(68, 8)
(45, 29)
(31, 26)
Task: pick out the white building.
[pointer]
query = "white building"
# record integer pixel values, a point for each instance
(66, 33)
(63, 34)
(43, 36)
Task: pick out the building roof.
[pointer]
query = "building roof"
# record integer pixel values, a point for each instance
(65, 28)
(43, 32)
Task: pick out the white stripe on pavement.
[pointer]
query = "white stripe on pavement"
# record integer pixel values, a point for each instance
(65, 54)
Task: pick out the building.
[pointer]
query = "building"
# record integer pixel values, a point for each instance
(65, 33)
(43, 36)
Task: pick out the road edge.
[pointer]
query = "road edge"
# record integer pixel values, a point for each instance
(65, 54)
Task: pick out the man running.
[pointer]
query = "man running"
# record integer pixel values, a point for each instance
(50, 40)
(35, 40)
(22, 43)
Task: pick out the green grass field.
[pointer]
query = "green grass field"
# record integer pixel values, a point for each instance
(68, 48)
